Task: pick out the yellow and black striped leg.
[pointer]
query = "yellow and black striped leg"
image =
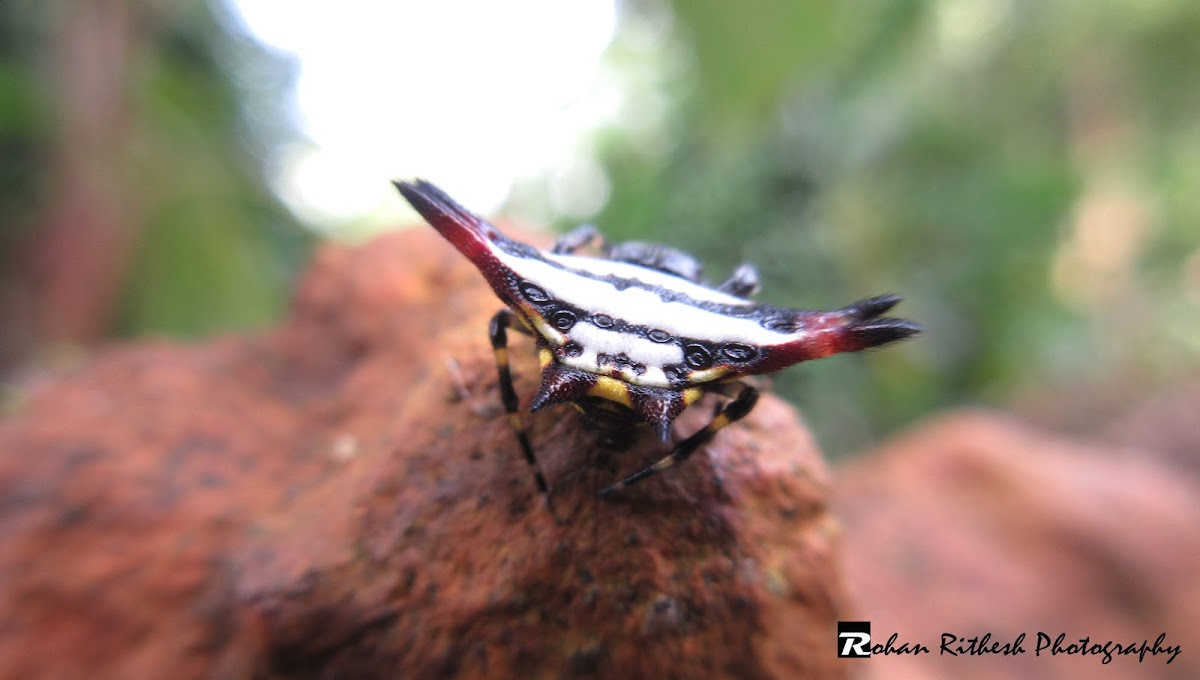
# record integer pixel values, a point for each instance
(732, 412)
(497, 331)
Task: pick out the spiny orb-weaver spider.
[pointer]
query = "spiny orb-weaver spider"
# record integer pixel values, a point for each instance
(635, 335)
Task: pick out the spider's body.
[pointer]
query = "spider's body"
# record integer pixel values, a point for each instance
(635, 336)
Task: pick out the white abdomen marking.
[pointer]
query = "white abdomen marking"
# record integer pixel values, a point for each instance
(644, 307)
(597, 341)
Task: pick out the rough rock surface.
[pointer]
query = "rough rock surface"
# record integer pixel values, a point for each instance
(975, 524)
(1165, 424)
(343, 498)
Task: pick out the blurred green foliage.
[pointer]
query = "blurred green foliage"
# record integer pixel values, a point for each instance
(1021, 172)
(219, 249)
(22, 122)
(198, 116)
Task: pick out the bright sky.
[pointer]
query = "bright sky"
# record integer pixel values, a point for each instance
(470, 94)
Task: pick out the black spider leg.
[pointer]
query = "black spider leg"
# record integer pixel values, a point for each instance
(580, 237)
(657, 256)
(743, 282)
(732, 412)
(508, 396)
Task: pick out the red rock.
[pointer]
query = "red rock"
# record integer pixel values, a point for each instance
(974, 523)
(1164, 423)
(342, 497)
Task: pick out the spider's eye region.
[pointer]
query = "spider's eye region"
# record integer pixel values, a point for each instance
(735, 351)
(697, 356)
(573, 349)
(659, 336)
(534, 294)
(563, 319)
(602, 320)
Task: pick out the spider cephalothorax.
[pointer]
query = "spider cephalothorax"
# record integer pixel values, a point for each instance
(634, 335)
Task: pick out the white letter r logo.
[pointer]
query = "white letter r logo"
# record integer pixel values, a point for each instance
(856, 643)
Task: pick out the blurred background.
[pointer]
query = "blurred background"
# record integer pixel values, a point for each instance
(1023, 173)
